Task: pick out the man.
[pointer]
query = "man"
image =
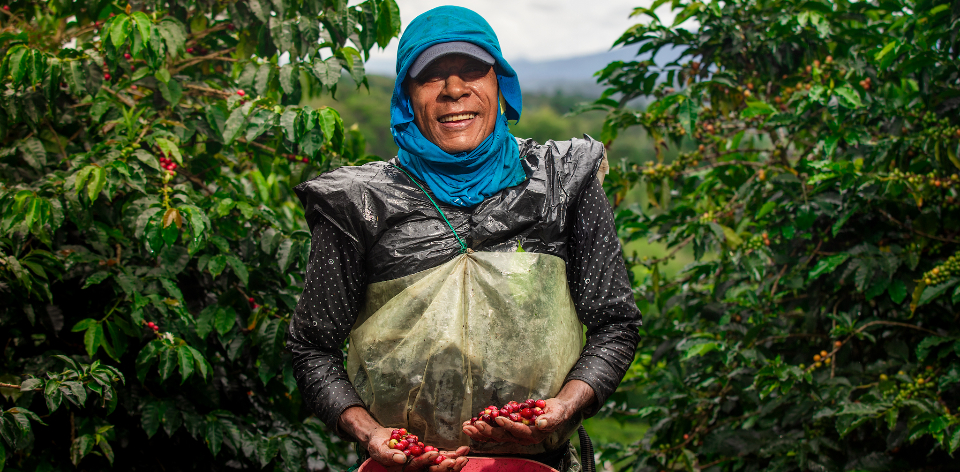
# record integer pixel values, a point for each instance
(462, 270)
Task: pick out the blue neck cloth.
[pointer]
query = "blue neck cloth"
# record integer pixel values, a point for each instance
(464, 179)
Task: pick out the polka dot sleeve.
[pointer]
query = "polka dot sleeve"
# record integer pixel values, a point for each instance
(328, 307)
(601, 290)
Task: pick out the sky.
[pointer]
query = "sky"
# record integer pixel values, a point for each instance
(535, 30)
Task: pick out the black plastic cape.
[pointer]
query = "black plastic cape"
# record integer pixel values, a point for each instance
(395, 227)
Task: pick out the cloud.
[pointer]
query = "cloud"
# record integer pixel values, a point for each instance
(536, 30)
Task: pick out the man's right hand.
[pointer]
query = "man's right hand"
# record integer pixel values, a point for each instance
(357, 422)
(379, 450)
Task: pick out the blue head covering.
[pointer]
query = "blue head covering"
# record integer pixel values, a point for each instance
(463, 179)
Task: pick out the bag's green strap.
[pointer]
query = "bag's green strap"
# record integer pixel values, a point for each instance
(463, 245)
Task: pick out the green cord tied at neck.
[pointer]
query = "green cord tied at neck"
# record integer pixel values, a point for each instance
(463, 245)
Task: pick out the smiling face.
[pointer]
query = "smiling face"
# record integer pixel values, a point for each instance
(455, 102)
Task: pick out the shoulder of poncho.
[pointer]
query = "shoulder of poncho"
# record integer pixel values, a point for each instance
(349, 197)
(572, 162)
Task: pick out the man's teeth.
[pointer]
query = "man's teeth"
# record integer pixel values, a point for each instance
(462, 116)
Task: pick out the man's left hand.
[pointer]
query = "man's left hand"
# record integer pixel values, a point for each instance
(554, 414)
(574, 396)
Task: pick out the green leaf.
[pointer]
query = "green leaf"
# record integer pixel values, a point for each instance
(75, 77)
(886, 50)
(172, 33)
(119, 30)
(107, 450)
(146, 358)
(897, 291)
(172, 420)
(168, 362)
(150, 418)
(186, 362)
(766, 209)
(17, 60)
(755, 108)
(93, 338)
(170, 150)
(205, 321)
(80, 448)
(328, 118)
(827, 265)
(84, 325)
(267, 449)
(96, 278)
(238, 268)
(934, 292)
(284, 254)
(687, 114)
(200, 361)
(234, 125)
(388, 22)
(290, 78)
(327, 72)
(731, 236)
(34, 153)
(171, 92)
(928, 343)
(699, 350)
(260, 8)
(292, 454)
(147, 158)
(848, 97)
(261, 81)
(214, 436)
(217, 264)
(226, 318)
(288, 121)
(144, 25)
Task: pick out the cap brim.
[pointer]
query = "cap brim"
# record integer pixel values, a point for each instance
(445, 49)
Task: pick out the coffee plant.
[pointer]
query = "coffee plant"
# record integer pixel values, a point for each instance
(808, 164)
(151, 248)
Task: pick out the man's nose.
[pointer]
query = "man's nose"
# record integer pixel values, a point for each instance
(454, 87)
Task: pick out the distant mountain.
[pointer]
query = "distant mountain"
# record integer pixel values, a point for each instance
(575, 74)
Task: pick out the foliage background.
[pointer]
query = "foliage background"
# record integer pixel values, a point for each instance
(102, 236)
(815, 327)
(790, 191)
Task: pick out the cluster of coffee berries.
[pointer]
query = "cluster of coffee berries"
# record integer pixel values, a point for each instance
(198, 51)
(153, 326)
(411, 446)
(938, 127)
(915, 387)
(684, 160)
(524, 412)
(866, 83)
(819, 360)
(253, 303)
(943, 272)
(930, 179)
(295, 158)
(756, 242)
(168, 165)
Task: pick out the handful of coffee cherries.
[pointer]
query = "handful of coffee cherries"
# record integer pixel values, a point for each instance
(411, 446)
(524, 412)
